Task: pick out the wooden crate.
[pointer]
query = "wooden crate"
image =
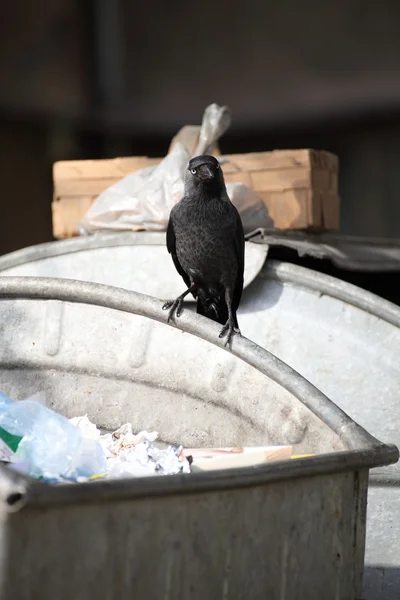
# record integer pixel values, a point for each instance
(299, 187)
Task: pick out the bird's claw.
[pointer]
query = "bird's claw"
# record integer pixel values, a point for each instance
(175, 306)
(229, 328)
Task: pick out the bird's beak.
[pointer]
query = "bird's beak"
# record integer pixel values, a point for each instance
(205, 173)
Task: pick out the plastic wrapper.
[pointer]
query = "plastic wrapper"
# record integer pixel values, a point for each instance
(144, 199)
(141, 200)
(50, 447)
(6, 454)
(39, 442)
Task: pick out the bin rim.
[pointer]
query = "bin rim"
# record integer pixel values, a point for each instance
(366, 451)
(35, 493)
(326, 285)
(273, 269)
(78, 243)
(108, 240)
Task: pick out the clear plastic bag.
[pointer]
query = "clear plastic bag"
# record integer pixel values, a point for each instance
(141, 200)
(51, 446)
(144, 199)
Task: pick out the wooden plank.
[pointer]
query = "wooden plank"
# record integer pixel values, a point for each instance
(113, 168)
(281, 159)
(241, 177)
(299, 187)
(302, 209)
(287, 209)
(263, 181)
(334, 184)
(314, 210)
(82, 187)
(67, 212)
(321, 159)
(281, 179)
(321, 179)
(120, 167)
(254, 161)
(330, 211)
(284, 179)
(261, 161)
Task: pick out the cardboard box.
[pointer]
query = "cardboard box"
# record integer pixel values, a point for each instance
(299, 187)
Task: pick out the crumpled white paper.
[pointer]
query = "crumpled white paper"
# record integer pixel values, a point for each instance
(133, 455)
(144, 199)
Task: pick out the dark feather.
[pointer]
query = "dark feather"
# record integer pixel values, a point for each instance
(206, 241)
(239, 249)
(213, 308)
(171, 247)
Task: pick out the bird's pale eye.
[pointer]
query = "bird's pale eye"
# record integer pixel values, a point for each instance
(193, 171)
(217, 166)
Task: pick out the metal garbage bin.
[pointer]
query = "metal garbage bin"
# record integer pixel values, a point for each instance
(293, 529)
(341, 338)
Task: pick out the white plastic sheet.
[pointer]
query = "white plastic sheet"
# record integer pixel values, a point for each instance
(143, 200)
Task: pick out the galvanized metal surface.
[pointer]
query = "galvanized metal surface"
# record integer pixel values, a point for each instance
(230, 534)
(343, 339)
(347, 342)
(52, 328)
(370, 254)
(229, 544)
(325, 328)
(135, 261)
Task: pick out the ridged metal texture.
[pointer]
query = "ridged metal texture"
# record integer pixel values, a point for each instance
(290, 529)
(343, 339)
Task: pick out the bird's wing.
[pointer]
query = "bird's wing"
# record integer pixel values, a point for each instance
(171, 247)
(239, 250)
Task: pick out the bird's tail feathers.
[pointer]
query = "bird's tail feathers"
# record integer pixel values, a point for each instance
(214, 309)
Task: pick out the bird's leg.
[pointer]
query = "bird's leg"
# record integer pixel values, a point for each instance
(176, 305)
(230, 326)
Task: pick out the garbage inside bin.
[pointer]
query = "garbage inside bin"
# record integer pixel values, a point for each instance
(50, 447)
(39, 442)
(130, 455)
(46, 445)
(210, 459)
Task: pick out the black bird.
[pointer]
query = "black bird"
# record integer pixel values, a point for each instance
(206, 241)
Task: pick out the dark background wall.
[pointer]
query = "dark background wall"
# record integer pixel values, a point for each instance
(94, 78)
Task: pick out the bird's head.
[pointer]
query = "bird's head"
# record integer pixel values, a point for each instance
(204, 171)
